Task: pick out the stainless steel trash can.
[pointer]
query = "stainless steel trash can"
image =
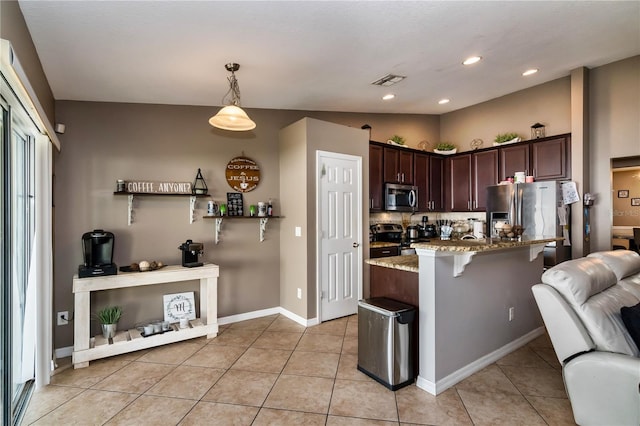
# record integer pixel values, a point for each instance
(385, 343)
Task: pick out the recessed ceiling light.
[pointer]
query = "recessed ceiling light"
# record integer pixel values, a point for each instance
(530, 72)
(443, 101)
(472, 60)
(388, 96)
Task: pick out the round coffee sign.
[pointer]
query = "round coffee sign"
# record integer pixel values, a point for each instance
(243, 174)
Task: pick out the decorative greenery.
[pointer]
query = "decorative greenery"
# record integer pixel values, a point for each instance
(445, 146)
(397, 139)
(109, 315)
(505, 137)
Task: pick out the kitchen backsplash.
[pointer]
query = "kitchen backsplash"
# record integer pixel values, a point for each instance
(406, 219)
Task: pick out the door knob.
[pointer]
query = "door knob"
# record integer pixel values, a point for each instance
(356, 245)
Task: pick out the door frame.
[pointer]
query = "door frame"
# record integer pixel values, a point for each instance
(318, 230)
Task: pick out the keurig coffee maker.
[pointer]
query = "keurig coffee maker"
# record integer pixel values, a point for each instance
(190, 253)
(97, 250)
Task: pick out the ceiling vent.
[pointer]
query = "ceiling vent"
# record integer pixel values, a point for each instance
(389, 80)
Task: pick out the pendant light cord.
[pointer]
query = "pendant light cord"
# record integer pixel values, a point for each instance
(234, 90)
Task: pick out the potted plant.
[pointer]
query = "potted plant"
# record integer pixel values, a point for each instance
(506, 138)
(445, 148)
(109, 317)
(396, 140)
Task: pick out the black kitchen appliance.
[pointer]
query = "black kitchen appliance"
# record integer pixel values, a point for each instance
(429, 231)
(387, 232)
(190, 253)
(97, 252)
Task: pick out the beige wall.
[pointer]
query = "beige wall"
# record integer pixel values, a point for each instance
(14, 29)
(413, 127)
(548, 103)
(614, 133)
(324, 136)
(294, 257)
(108, 141)
(299, 144)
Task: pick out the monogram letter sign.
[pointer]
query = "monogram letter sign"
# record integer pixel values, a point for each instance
(178, 306)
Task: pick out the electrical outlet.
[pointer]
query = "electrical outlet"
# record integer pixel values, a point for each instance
(63, 318)
(512, 313)
(299, 293)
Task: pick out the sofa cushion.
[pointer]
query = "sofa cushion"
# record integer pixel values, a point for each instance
(623, 263)
(600, 315)
(631, 318)
(631, 284)
(577, 280)
(589, 286)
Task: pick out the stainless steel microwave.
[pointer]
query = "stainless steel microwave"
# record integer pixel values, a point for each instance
(400, 198)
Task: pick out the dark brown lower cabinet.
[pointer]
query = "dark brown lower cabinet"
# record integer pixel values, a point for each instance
(375, 252)
(401, 286)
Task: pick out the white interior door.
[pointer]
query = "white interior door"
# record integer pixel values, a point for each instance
(339, 221)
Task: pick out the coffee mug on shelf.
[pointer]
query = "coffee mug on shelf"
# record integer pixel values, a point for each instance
(262, 209)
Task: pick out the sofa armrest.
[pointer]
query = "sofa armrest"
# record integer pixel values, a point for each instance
(567, 333)
(604, 388)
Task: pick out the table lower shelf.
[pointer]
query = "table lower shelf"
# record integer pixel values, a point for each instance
(132, 340)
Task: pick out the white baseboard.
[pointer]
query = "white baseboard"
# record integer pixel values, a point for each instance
(64, 352)
(298, 318)
(477, 365)
(248, 315)
(67, 351)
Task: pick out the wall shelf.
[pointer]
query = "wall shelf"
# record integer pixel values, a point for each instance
(262, 221)
(130, 195)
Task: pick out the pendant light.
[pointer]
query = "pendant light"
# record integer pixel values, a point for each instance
(232, 117)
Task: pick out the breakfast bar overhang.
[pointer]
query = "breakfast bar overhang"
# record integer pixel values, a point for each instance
(475, 304)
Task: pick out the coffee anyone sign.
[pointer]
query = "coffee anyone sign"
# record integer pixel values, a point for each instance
(154, 187)
(243, 174)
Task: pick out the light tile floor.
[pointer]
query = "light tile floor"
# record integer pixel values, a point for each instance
(272, 371)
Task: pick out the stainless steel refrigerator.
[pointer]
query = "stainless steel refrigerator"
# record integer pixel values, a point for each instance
(537, 207)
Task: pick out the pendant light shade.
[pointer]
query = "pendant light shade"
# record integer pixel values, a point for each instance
(232, 117)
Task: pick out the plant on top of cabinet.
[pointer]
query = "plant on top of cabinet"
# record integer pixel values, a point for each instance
(445, 148)
(396, 140)
(506, 138)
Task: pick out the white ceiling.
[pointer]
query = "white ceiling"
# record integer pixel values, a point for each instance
(321, 55)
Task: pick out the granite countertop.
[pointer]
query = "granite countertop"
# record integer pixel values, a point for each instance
(410, 262)
(382, 244)
(404, 263)
(479, 245)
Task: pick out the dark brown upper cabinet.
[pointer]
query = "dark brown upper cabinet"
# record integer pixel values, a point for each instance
(398, 165)
(428, 179)
(544, 159)
(376, 179)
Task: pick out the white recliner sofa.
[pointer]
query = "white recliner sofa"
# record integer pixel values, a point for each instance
(580, 302)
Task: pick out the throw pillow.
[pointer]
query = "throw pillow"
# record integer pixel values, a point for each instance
(631, 318)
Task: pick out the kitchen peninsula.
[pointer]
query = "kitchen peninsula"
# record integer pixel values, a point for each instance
(474, 300)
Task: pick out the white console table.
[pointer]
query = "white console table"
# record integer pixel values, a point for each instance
(129, 341)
